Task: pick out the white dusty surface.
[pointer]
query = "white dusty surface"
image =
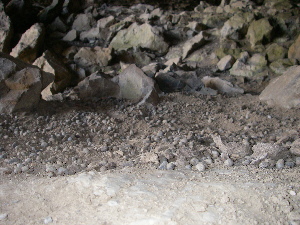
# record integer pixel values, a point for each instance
(237, 195)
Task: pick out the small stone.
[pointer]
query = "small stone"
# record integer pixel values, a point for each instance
(228, 162)
(25, 169)
(170, 166)
(163, 165)
(62, 171)
(194, 161)
(200, 167)
(298, 161)
(48, 220)
(289, 164)
(3, 216)
(264, 164)
(293, 193)
(280, 164)
(246, 162)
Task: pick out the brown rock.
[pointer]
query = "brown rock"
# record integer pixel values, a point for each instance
(294, 50)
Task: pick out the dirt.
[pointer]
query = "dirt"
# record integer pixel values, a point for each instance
(100, 163)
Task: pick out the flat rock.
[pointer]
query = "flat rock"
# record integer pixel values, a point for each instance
(284, 91)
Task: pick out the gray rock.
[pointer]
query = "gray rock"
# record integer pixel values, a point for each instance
(228, 162)
(71, 35)
(275, 52)
(222, 86)
(6, 31)
(135, 85)
(200, 167)
(144, 36)
(97, 86)
(83, 22)
(258, 31)
(295, 148)
(280, 164)
(280, 66)
(96, 56)
(262, 151)
(50, 12)
(48, 220)
(163, 165)
(193, 44)
(226, 62)
(29, 44)
(105, 22)
(294, 50)
(284, 91)
(3, 216)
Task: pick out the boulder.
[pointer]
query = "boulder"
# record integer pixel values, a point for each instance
(222, 86)
(259, 31)
(236, 27)
(193, 44)
(294, 50)
(98, 56)
(30, 43)
(284, 91)
(226, 62)
(63, 76)
(144, 36)
(97, 86)
(136, 86)
(275, 52)
(83, 22)
(21, 85)
(6, 31)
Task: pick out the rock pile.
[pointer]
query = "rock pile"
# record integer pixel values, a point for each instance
(175, 50)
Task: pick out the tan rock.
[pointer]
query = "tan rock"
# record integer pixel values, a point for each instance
(294, 50)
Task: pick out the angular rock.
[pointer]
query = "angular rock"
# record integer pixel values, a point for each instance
(97, 86)
(136, 86)
(262, 151)
(259, 31)
(294, 50)
(6, 31)
(193, 44)
(105, 22)
(30, 43)
(226, 62)
(87, 57)
(151, 69)
(83, 22)
(144, 36)
(295, 148)
(275, 52)
(284, 91)
(49, 13)
(70, 36)
(280, 66)
(222, 86)
(21, 85)
(236, 27)
(63, 76)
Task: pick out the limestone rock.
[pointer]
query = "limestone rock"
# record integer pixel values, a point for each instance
(63, 76)
(21, 85)
(96, 86)
(226, 62)
(135, 85)
(233, 150)
(295, 148)
(6, 31)
(83, 22)
(87, 57)
(275, 52)
(29, 45)
(236, 27)
(193, 44)
(262, 151)
(144, 36)
(284, 91)
(222, 86)
(259, 31)
(294, 50)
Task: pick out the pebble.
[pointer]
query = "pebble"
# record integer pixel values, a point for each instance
(200, 166)
(228, 162)
(170, 166)
(298, 161)
(289, 164)
(48, 220)
(293, 193)
(194, 161)
(3, 216)
(163, 165)
(280, 164)
(264, 164)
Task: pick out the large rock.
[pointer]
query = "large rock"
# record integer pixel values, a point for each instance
(97, 86)
(144, 36)
(236, 27)
(193, 44)
(226, 62)
(275, 52)
(98, 56)
(294, 50)
(5, 31)
(83, 22)
(136, 86)
(63, 76)
(284, 91)
(29, 46)
(259, 31)
(21, 85)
